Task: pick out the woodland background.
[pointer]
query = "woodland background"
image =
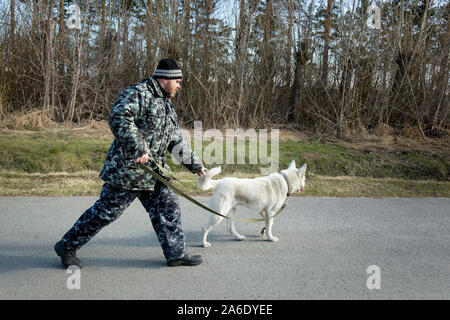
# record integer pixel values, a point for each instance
(296, 64)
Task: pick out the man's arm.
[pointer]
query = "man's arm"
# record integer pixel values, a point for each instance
(122, 124)
(188, 158)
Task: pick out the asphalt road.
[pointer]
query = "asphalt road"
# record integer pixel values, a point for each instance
(326, 247)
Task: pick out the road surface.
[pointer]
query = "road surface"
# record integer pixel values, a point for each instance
(329, 248)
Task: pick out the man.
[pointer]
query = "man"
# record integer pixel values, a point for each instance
(144, 124)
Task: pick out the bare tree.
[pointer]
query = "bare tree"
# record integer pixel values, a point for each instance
(247, 10)
(303, 63)
(326, 43)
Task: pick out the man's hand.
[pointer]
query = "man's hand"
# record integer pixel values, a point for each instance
(202, 172)
(143, 159)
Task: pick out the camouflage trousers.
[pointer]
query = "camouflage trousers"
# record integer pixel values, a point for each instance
(161, 204)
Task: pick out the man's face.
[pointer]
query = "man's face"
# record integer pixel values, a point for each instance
(171, 86)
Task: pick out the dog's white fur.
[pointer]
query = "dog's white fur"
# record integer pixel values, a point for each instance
(265, 195)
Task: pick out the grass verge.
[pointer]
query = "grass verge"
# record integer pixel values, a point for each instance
(67, 163)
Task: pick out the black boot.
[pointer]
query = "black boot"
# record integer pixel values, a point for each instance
(186, 260)
(68, 257)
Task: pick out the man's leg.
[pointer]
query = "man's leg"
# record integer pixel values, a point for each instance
(163, 208)
(112, 202)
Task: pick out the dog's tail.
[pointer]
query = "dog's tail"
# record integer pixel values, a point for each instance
(205, 183)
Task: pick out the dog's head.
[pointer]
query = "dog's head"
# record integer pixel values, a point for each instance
(295, 178)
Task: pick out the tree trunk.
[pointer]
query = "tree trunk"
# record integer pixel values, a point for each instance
(149, 25)
(289, 42)
(301, 58)
(75, 77)
(49, 69)
(206, 43)
(267, 59)
(102, 26)
(327, 43)
(13, 27)
(240, 52)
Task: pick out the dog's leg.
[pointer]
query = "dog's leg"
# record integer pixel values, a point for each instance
(269, 224)
(231, 228)
(214, 220)
(263, 230)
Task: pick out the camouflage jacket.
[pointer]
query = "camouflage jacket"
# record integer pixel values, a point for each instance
(143, 120)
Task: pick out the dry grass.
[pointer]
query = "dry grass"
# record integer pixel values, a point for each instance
(87, 183)
(36, 120)
(372, 187)
(40, 121)
(395, 143)
(84, 183)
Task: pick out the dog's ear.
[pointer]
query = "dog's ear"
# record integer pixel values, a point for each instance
(292, 164)
(302, 169)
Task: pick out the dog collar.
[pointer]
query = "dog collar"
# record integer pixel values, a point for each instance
(287, 183)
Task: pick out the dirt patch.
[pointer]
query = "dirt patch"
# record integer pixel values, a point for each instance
(93, 128)
(36, 120)
(388, 143)
(39, 122)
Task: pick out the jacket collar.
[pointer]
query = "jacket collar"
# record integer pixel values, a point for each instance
(159, 91)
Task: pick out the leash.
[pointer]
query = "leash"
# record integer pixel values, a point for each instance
(186, 196)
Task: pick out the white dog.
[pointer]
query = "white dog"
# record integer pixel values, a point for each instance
(265, 195)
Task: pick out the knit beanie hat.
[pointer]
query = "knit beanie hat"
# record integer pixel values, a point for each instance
(167, 69)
